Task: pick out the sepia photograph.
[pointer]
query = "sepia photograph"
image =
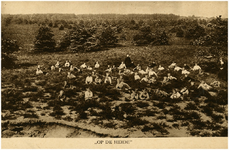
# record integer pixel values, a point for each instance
(114, 69)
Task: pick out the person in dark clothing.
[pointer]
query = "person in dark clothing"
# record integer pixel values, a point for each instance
(186, 67)
(132, 65)
(128, 61)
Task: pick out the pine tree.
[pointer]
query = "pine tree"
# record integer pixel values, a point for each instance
(61, 27)
(8, 47)
(44, 40)
(107, 37)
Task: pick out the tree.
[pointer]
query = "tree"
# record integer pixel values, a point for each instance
(145, 36)
(8, 48)
(64, 42)
(217, 37)
(55, 25)
(161, 39)
(180, 33)
(61, 27)
(107, 37)
(78, 39)
(50, 24)
(8, 20)
(195, 32)
(44, 40)
(133, 25)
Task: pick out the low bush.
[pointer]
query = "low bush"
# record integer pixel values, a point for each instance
(82, 115)
(149, 113)
(207, 110)
(147, 128)
(134, 121)
(195, 132)
(142, 104)
(160, 105)
(161, 117)
(31, 115)
(192, 115)
(191, 106)
(224, 132)
(57, 111)
(128, 108)
(109, 125)
(34, 98)
(217, 118)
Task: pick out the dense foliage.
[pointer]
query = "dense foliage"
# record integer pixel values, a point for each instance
(8, 47)
(44, 40)
(96, 32)
(88, 39)
(146, 36)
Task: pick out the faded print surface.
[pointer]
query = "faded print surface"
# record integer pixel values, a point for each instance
(114, 69)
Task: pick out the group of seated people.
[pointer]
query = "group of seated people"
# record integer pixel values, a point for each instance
(149, 76)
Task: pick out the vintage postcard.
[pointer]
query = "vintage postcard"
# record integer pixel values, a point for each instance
(114, 74)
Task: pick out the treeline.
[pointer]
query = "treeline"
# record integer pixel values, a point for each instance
(72, 18)
(97, 34)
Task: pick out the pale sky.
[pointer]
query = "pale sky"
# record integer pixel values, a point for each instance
(183, 8)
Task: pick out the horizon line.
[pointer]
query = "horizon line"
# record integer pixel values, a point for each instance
(113, 14)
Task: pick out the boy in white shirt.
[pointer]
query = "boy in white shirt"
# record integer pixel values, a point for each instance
(175, 95)
(185, 72)
(167, 79)
(89, 68)
(122, 66)
(172, 65)
(152, 80)
(145, 79)
(72, 68)
(120, 84)
(83, 66)
(171, 77)
(221, 63)
(67, 64)
(88, 94)
(196, 67)
(61, 95)
(52, 67)
(177, 68)
(160, 68)
(57, 65)
(137, 68)
(97, 80)
(89, 79)
(39, 71)
(151, 72)
(109, 69)
(147, 69)
(127, 71)
(184, 91)
(97, 65)
(136, 76)
(144, 95)
(203, 88)
(134, 95)
(107, 79)
(70, 76)
(143, 72)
